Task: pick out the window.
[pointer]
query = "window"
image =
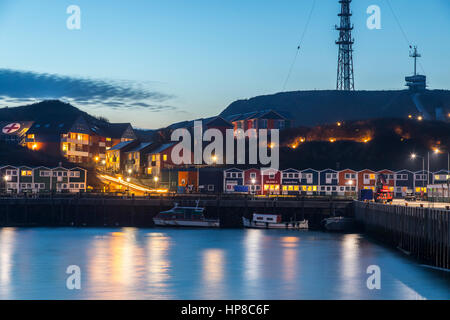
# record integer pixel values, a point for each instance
(253, 175)
(272, 176)
(210, 187)
(153, 157)
(165, 157)
(26, 173)
(149, 171)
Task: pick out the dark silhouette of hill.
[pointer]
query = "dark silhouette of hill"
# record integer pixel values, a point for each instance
(11, 154)
(389, 145)
(310, 108)
(48, 110)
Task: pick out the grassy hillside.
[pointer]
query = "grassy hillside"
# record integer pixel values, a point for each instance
(374, 144)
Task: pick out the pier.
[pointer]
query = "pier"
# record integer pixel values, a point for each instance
(420, 232)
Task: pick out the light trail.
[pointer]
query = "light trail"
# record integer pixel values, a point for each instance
(131, 185)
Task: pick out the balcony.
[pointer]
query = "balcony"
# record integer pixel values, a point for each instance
(75, 141)
(77, 153)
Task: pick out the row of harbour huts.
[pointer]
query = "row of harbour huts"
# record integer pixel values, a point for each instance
(42, 179)
(295, 182)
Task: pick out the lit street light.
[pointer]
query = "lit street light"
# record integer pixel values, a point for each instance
(414, 156)
(156, 180)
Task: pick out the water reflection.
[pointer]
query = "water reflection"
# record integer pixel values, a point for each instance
(253, 246)
(158, 265)
(118, 262)
(350, 268)
(206, 264)
(7, 241)
(213, 262)
(289, 258)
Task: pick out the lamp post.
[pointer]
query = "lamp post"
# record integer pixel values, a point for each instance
(156, 180)
(253, 186)
(437, 151)
(414, 156)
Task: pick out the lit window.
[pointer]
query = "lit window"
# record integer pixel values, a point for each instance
(165, 157)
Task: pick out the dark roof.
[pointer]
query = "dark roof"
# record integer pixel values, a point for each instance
(162, 148)
(121, 145)
(141, 147)
(55, 127)
(254, 115)
(113, 130)
(219, 122)
(216, 121)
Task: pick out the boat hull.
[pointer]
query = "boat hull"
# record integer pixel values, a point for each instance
(298, 225)
(187, 223)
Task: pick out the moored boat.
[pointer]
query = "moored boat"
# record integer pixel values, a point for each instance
(272, 221)
(185, 217)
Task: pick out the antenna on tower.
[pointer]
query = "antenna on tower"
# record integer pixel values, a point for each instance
(414, 54)
(345, 78)
(415, 82)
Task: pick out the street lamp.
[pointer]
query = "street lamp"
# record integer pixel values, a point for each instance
(130, 171)
(253, 184)
(414, 156)
(156, 180)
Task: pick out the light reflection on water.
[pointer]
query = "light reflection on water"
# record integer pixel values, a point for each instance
(131, 263)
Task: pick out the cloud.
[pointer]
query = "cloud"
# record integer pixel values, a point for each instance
(18, 87)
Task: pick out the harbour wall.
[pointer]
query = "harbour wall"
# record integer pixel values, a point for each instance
(86, 212)
(422, 233)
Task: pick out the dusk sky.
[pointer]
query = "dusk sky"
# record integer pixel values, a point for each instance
(153, 63)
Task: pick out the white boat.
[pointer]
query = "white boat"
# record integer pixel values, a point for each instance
(272, 221)
(185, 217)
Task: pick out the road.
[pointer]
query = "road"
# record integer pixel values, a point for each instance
(118, 184)
(426, 204)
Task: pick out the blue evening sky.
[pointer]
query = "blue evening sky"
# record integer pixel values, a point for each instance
(198, 56)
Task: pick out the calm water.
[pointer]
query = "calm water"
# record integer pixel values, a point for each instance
(206, 264)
